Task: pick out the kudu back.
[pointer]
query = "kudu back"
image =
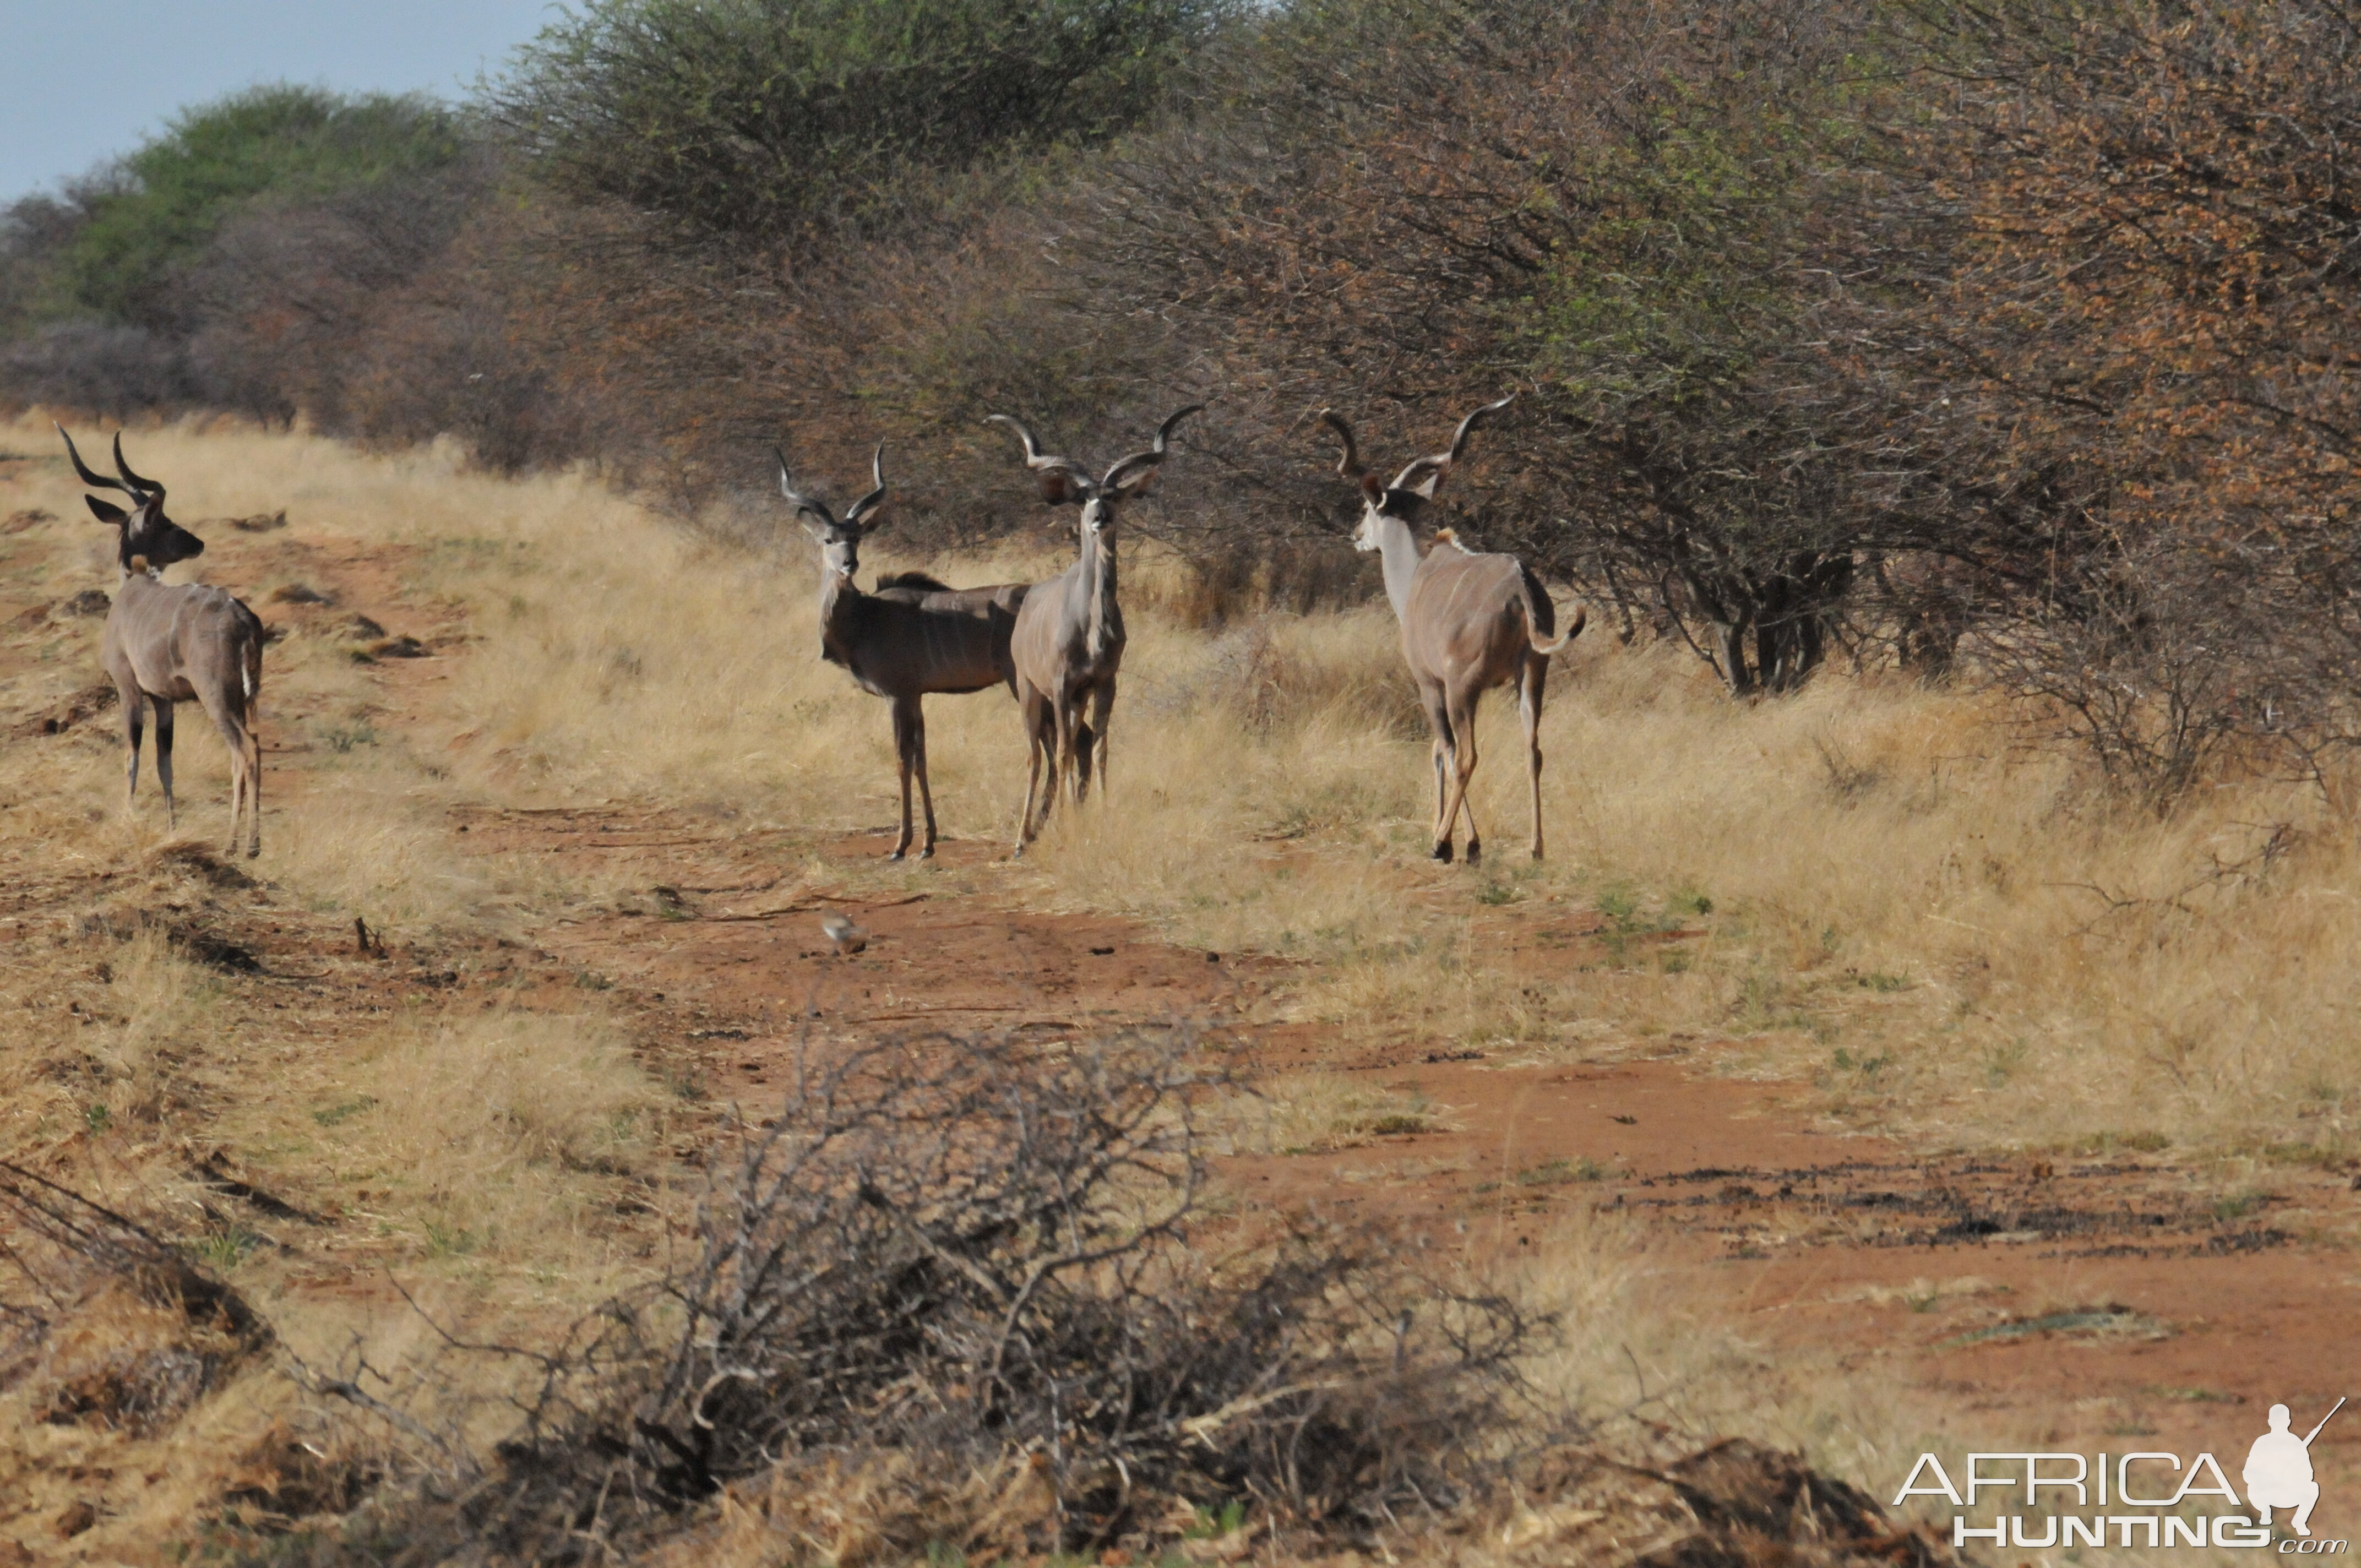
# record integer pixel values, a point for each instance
(173, 644)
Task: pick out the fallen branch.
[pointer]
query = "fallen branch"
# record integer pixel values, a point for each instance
(818, 899)
(214, 1175)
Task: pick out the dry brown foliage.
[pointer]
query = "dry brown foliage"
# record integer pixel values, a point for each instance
(107, 1323)
(977, 1253)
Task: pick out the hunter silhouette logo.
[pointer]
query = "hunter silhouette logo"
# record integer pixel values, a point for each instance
(2141, 1499)
(2279, 1471)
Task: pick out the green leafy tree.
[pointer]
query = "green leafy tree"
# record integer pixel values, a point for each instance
(776, 118)
(165, 202)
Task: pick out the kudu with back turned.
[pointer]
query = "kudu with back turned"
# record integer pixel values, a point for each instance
(1068, 642)
(912, 638)
(1470, 622)
(171, 643)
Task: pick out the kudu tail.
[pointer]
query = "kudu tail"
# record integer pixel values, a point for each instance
(249, 675)
(1540, 616)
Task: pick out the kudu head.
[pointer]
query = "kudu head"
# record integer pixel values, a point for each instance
(1413, 487)
(146, 540)
(840, 541)
(1063, 480)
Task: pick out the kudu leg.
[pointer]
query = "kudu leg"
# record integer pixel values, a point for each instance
(1035, 709)
(926, 792)
(1068, 721)
(906, 721)
(1087, 742)
(245, 748)
(1441, 760)
(1463, 768)
(1438, 720)
(134, 721)
(1101, 709)
(1528, 706)
(164, 767)
(253, 791)
(250, 722)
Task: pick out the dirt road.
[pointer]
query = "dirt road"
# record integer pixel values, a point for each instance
(2097, 1299)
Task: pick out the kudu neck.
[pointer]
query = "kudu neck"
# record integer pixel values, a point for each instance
(1098, 554)
(1098, 573)
(1398, 552)
(840, 597)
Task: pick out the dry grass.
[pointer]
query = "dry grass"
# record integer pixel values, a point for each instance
(496, 1160)
(1943, 926)
(1870, 883)
(1882, 891)
(454, 1118)
(1310, 1112)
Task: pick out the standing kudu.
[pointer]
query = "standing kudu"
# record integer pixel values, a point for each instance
(911, 638)
(1470, 622)
(1068, 645)
(170, 644)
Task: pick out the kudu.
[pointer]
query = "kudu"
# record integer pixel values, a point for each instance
(177, 643)
(912, 638)
(1470, 622)
(1068, 645)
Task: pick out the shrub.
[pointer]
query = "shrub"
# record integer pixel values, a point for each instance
(963, 1250)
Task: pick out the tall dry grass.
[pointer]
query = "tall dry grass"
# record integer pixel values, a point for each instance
(497, 1140)
(455, 1119)
(1886, 890)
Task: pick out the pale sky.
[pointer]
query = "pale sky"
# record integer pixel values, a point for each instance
(81, 80)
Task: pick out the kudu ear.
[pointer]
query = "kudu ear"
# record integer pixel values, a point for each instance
(108, 513)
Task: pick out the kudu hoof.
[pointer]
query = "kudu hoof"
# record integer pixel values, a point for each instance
(1443, 851)
(928, 853)
(1475, 852)
(897, 854)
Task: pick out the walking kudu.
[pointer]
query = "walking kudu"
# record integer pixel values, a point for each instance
(177, 643)
(1069, 641)
(907, 641)
(1470, 622)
